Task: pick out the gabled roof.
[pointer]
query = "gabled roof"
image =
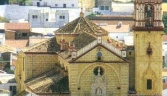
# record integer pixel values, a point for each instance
(4, 48)
(17, 43)
(49, 45)
(17, 26)
(83, 39)
(113, 51)
(80, 25)
(47, 81)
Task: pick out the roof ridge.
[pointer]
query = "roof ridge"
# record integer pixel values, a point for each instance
(89, 25)
(90, 34)
(77, 25)
(63, 27)
(36, 45)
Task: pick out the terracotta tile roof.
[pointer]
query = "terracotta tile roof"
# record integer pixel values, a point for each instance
(17, 26)
(81, 25)
(83, 39)
(43, 82)
(17, 43)
(34, 40)
(164, 37)
(49, 45)
(116, 28)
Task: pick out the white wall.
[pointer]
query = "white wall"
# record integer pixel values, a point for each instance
(4, 94)
(52, 3)
(4, 79)
(2, 38)
(53, 16)
(118, 35)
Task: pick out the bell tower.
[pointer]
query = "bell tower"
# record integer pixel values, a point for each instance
(148, 31)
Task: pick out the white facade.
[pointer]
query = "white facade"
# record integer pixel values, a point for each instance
(2, 33)
(164, 52)
(55, 3)
(52, 17)
(44, 17)
(128, 40)
(4, 93)
(7, 84)
(117, 32)
(2, 38)
(62, 17)
(118, 35)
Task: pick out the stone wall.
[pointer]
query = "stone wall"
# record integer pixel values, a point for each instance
(116, 74)
(148, 66)
(81, 78)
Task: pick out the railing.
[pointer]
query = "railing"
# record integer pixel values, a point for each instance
(86, 48)
(111, 47)
(94, 43)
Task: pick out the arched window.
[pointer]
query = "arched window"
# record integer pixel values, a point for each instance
(149, 14)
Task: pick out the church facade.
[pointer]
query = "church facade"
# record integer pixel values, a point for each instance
(81, 60)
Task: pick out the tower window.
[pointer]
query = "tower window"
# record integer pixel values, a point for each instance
(149, 84)
(130, 53)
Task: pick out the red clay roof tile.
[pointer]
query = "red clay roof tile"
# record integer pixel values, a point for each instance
(17, 26)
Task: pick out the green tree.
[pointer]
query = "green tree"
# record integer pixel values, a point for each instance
(13, 2)
(164, 19)
(2, 2)
(3, 19)
(20, 2)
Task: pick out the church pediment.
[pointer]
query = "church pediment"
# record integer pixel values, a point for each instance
(100, 53)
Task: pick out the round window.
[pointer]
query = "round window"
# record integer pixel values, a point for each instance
(98, 71)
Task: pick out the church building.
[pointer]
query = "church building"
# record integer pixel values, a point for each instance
(81, 60)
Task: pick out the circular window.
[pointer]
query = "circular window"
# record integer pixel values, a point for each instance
(98, 71)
